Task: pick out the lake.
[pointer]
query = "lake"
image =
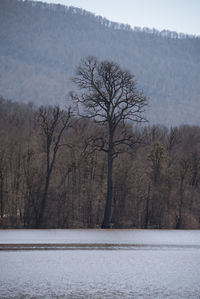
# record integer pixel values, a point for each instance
(99, 263)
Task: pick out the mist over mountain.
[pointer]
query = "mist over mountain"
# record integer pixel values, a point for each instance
(42, 44)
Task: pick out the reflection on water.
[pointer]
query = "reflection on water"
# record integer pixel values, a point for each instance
(99, 236)
(146, 270)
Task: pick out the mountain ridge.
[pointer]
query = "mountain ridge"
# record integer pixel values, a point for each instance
(108, 23)
(42, 44)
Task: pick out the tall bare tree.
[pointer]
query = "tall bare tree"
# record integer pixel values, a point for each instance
(109, 96)
(53, 122)
(2, 183)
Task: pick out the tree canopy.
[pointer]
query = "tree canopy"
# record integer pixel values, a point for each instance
(109, 96)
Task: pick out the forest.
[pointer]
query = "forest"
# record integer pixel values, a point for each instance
(156, 183)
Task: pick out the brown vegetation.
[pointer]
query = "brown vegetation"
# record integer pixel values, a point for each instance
(156, 184)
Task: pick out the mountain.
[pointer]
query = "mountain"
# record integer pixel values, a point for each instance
(42, 44)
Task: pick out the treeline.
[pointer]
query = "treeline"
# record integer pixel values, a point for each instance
(156, 183)
(52, 8)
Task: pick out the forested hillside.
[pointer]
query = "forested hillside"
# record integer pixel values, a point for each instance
(42, 44)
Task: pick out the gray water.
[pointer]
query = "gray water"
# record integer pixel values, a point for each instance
(114, 264)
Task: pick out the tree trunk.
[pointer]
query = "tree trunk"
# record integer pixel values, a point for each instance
(185, 167)
(49, 168)
(40, 218)
(146, 223)
(179, 218)
(1, 194)
(107, 213)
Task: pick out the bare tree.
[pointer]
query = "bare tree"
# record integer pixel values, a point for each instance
(2, 183)
(109, 96)
(184, 168)
(53, 122)
(156, 157)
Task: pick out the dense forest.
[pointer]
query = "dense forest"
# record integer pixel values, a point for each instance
(41, 45)
(156, 183)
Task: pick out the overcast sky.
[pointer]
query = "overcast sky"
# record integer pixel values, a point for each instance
(176, 15)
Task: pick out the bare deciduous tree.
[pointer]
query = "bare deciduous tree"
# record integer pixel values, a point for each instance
(53, 122)
(2, 183)
(109, 96)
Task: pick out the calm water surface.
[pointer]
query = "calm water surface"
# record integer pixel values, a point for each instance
(150, 264)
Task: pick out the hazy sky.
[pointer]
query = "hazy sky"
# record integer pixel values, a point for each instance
(178, 15)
